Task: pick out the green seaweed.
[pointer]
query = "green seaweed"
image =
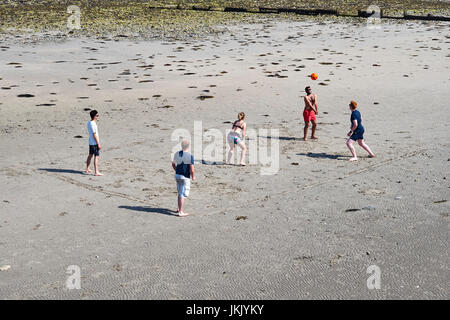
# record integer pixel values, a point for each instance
(162, 19)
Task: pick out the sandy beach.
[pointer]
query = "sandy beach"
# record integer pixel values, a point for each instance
(308, 231)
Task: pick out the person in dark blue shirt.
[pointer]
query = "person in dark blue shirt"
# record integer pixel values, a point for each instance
(183, 164)
(356, 132)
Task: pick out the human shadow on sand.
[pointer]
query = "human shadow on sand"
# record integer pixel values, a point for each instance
(62, 171)
(213, 163)
(323, 155)
(282, 138)
(149, 209)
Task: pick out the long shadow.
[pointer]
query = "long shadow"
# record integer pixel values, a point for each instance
(149, 209)
(62, 170)
(213, 163)
(322, 155)
(283, 138)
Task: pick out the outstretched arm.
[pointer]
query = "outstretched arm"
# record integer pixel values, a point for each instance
(316, 105)
(308, 103)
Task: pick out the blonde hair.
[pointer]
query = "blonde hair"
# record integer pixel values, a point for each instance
(353, 105)
(241, 116)
(185, 145)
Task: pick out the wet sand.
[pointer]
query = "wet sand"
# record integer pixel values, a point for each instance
(309, 231)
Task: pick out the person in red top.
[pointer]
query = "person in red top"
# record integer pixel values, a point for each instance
(309, 113)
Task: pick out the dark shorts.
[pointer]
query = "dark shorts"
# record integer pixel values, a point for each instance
(93, 149)
(357, 135)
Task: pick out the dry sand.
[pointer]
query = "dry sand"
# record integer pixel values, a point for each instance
(299, 239)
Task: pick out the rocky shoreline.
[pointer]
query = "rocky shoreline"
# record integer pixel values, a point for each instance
(165, 19)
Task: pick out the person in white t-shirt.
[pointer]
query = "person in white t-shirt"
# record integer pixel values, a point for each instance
(94, 143)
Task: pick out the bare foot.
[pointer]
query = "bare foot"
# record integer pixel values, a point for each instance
(183, 214)
(87, 170)
(371, 155)
(305, 139)
(353, 159)
(314, 137)
(98, 174)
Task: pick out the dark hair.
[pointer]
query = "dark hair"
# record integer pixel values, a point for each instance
(308, 87)
(93, 113)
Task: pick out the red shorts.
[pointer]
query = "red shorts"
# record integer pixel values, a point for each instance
(309, 115)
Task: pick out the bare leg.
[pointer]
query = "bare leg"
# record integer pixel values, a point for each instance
(366, 147)
(88, 163)
(97, 173)
(181, 212)
(305, 131)
(313, 129)
(180, 204)
(244, 150)
(352, 150)
(230, 152)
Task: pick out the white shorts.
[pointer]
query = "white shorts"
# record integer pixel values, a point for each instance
(183, 185)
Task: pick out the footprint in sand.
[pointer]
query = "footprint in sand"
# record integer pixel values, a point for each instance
(204, 97)
(166, 107)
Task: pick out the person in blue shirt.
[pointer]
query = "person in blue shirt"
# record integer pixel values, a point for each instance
(356, 132)
(183, 164)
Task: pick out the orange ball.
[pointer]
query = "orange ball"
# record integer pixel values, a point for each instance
(314, 76)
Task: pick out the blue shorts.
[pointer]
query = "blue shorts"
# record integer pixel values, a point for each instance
(357, 135)
(183, 185)
(93, 149)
